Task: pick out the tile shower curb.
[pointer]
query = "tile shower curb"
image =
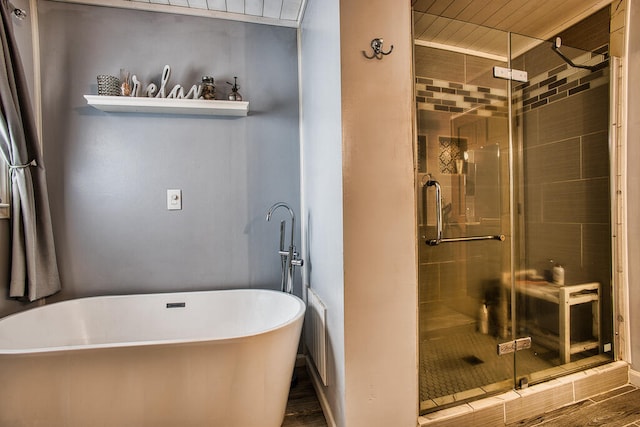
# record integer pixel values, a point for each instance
(516, 405)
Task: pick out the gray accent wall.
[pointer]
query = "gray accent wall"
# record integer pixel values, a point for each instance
(109, 172)
(323, 182)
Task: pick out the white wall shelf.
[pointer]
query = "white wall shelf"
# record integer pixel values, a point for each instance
(126, 104)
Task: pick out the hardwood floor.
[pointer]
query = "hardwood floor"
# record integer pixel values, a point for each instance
(616, 408)
(303, 407)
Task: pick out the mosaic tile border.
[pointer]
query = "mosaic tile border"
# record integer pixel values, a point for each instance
(452, 97)
(563, 81)
(544, 89)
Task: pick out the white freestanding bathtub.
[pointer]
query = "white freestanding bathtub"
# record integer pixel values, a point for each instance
(216, 358)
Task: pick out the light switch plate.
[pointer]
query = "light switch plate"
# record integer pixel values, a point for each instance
(174, 199)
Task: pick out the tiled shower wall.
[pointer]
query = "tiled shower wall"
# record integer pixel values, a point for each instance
(566, 167)
(563, 118)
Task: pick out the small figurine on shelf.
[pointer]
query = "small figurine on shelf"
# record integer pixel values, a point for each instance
(208, 88)
(234, 95)
(125, 82)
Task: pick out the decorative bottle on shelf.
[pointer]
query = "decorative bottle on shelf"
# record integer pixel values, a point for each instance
(208, 88)
(483, 319)
(558, 275)
(548, 272)
(125, 82)
(234, 95)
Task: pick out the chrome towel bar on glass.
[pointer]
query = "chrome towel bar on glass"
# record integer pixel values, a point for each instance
(439, 239)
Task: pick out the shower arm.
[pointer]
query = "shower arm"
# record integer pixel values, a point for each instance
(556, 48)
(439, 239)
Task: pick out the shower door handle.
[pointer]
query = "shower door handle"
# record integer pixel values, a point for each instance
(439, 239)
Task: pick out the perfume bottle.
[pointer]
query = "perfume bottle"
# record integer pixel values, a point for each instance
(234, 95)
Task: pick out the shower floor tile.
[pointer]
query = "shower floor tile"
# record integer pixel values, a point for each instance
(455, 365)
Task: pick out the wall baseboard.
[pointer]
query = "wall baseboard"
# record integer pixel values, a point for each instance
(317, 385)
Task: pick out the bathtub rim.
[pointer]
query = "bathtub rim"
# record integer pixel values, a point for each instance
(300, 312)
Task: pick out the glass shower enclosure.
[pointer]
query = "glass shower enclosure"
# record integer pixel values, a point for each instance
(514, 233)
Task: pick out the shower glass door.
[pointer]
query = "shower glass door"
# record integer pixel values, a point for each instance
(463, 191)
(561, 285)
(512, 185)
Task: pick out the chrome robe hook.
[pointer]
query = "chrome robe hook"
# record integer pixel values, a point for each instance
(21, 14)
(376, 46)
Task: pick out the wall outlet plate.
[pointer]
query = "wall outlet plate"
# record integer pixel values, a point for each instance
(174, 199)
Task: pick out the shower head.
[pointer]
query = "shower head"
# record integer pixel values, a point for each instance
(557, 43)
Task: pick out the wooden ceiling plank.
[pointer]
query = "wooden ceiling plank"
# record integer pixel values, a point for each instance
(235, 6)
(534, 18)
(432, 32)
(570, 12)
(464, 34)
(272, 8)
(506, 14)
(494, 42)
(439, 6)
(454, 32)
(513, 21)
(546, 18)
(220, 5)
(475, 9)
(421, 21)
(490, 9)
(540, 17)
(253, 7)
(455, 8)
(198, 4)
(290, 9)
(474, 34)
(422, 5)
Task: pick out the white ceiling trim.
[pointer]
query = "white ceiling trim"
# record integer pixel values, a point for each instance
(289, 19)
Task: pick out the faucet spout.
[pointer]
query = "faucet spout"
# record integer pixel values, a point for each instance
(289, 258)
(291, 213)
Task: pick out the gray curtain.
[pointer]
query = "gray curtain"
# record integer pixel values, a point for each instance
(34, 271)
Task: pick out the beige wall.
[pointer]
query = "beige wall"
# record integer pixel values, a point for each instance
(380, 291)
(633, 178)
